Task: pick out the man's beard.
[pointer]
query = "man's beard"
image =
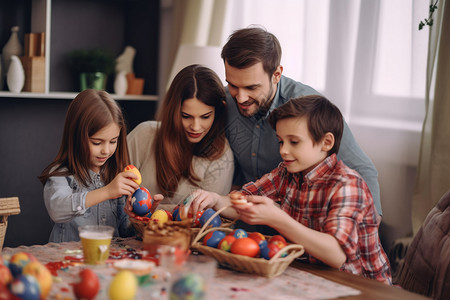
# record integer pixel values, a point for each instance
(262, 107)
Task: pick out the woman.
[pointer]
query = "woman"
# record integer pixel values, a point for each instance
(186, 148)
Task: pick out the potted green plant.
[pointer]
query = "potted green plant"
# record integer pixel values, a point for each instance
(92, 66)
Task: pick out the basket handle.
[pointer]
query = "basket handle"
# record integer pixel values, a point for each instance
(203, 231)
(296, 247)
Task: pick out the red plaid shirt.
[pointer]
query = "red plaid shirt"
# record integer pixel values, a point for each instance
(334, 199)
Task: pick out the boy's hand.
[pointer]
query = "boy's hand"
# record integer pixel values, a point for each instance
(258, 210)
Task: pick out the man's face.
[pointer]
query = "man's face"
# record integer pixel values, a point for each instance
(251, 88)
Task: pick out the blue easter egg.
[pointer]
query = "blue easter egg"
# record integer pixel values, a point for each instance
(26, 287)
(207, 214)
(213, 238)
(189, 286)
(239, 233)
(141, 201)
(175, 213)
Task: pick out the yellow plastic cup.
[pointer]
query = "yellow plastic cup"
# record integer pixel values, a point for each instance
(95, 240)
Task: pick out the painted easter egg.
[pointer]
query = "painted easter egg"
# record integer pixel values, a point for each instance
(135, 170)
(26, 287)
(5, 275)
(175, 213)
(87, 286)
(213, 238)
(42, 274)
(123, 286)
(277, 237)
(160, 216)
(239, 233)
(245, 246)
(272, 248)
(18, 261)
(257, 236)
(141, 201)
(207, 214)
(226, 242)
(189, 286)
(197, 218)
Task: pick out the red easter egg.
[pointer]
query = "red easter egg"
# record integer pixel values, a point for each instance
(87, 286)
(277, 238)
(257, 236)
(197, 218)
(245, 246)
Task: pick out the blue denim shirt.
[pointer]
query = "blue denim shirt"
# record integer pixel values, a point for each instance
(256, 149)
(65, 200)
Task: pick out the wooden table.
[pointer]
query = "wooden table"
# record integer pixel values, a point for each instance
(299, 281)
(370, 289)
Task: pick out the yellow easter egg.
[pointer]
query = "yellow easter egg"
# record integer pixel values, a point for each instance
(160, 216)
(123, 286)
(135, 170)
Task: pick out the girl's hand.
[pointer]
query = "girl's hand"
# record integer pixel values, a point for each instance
(260, 210)
(121, 185)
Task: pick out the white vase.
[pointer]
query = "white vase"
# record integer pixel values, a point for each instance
(121, 83)
(12, 47)
(15, 78)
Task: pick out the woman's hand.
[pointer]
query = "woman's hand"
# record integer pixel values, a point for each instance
(202, 200)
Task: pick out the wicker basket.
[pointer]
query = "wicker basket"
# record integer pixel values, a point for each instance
(268, 268)
(140, 225)
(8, 206)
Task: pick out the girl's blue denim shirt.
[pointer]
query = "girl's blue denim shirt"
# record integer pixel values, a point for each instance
(65, 200)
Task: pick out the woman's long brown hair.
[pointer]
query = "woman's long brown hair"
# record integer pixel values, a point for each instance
(173, 151)
(89, 112)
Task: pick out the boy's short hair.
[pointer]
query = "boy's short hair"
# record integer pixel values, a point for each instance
(322, 117)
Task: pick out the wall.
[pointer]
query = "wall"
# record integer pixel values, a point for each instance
(395, 153)
(30, 136)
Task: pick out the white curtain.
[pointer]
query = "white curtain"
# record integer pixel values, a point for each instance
(433, 178)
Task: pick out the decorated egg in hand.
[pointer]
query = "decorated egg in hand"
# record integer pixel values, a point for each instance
(141, 201)
(135, 170)
(213, 238)
(207, 214)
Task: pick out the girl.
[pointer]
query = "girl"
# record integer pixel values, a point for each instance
(84, 184)
(187, 148)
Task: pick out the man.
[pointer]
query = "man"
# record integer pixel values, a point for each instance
(256, 86)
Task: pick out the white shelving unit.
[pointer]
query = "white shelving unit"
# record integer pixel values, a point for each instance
(41, 21)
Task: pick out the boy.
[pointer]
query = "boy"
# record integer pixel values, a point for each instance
(324, 205)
